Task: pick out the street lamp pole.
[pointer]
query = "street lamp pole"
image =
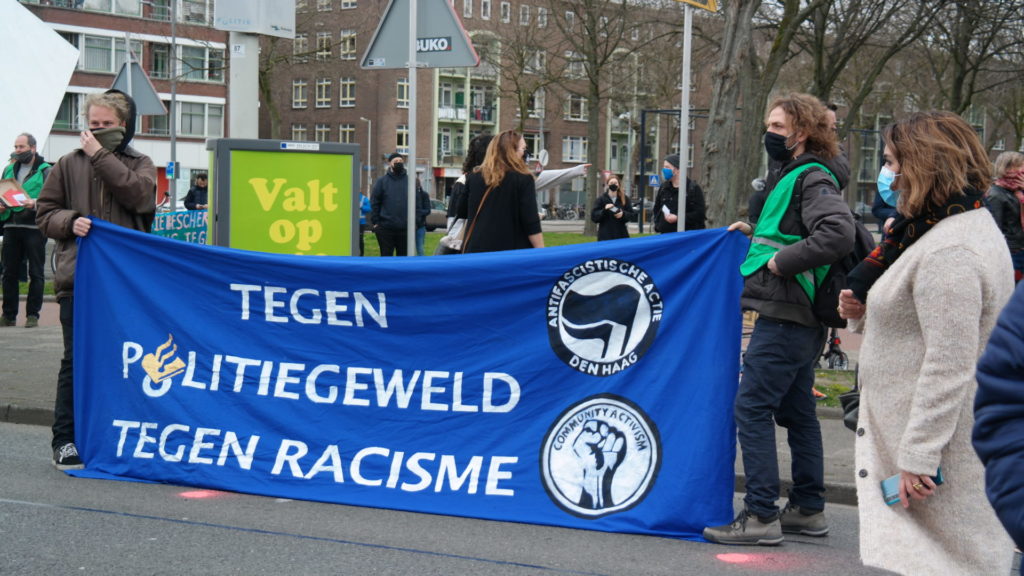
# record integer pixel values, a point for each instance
(173, 124)
(369, 153)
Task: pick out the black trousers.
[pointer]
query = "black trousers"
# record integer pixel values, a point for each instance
(392, 242)
(21, 244)
(64, 405)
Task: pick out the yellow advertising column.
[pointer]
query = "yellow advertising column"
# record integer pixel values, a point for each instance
(285, 197)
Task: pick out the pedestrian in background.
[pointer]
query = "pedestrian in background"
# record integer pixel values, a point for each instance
(1005, 201)
(23, 242)
(612, 212)
(364, 209)
(198, 195)
(105, 178)
(501, 200)
(422, 211)
(927, 299)
(666, 202)
(792, 241)
(388, 205)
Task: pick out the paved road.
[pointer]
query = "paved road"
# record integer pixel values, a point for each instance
(55, 524)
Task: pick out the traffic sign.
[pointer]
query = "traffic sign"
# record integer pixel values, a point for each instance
(147, 101)
(706, 4)
(171, 172)
(441, 41)
(654, 182)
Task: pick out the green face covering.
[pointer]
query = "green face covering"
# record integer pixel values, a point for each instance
(109, 138)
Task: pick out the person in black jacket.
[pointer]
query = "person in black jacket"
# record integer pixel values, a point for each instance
(666, 203)
(388, 208)
(198, 194)
(1005, 200)
(612, 212)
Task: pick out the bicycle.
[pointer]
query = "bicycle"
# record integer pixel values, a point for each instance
(833, 355)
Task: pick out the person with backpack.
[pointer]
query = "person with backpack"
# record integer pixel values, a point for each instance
(804, 227)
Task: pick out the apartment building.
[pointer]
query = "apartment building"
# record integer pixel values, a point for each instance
(193, 61)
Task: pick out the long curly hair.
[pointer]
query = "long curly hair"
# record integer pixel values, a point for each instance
(939, 156)
(809, 116)
(503, 157)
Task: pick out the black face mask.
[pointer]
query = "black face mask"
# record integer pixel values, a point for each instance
(775, 146)
(398, 169)
(614, 187)
(23, 157)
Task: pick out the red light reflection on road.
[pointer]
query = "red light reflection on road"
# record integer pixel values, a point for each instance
(765, 562)
(200, 494)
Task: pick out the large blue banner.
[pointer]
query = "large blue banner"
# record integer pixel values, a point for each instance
(586, 386)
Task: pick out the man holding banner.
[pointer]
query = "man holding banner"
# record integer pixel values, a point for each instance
(804, 226)
(107, 179)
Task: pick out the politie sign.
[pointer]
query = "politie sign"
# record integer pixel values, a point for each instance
(584, 386)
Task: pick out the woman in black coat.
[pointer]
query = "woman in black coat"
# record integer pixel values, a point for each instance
(612, 212)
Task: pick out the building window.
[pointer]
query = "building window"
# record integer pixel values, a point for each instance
(524, 15)
(542, 17)
(348, 4)
(402, 139)
(323, 93)
(300, 48)
(574, 149)
(575, 107)
(159, 125)
(193, 118)
(201, 63)
(444, 95)
(574, 68)
(68, 115)
(403, 92)
(347, 46)
(160, 61)
(347, 89)
(196, 11)
(535, 104)
(536, 62)
(602, 26)
(301, 5)
(444, 142)
(300, 93)
(323, 45)
(634, 34)
(322, 133)
(467, 8)
(485, 9)
(299, 132)
(506, 12)
(105, 54)
(347, 133)
(323, 6)
(122, 7)
(570, 19)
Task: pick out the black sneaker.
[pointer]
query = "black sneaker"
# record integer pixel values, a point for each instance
(65, 457)
(796, 520)
(746, 529)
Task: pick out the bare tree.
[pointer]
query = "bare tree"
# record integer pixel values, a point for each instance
(596, 35)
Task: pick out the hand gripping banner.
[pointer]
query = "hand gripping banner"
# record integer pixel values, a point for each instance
(586, 386)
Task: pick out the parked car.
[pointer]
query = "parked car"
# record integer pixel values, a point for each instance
(438, 217)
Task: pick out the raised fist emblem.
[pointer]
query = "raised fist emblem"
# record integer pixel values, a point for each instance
(599, 450)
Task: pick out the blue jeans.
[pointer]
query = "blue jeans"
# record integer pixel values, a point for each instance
(776, 388)
(421, 237)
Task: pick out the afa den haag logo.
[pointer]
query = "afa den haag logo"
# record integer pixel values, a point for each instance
(603, 315)
(600, 456)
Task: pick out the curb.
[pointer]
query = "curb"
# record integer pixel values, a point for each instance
(835, 492)
(16, 414)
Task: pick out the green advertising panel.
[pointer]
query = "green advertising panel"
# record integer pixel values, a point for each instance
(285, 197)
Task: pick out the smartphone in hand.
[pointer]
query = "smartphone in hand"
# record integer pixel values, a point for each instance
(891, 487)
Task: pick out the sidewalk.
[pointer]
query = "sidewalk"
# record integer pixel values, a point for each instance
(33, 356)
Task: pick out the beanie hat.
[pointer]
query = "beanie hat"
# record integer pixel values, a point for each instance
(394, 155)
(673, 159)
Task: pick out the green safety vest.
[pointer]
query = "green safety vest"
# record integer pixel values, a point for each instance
(768, 239)
(32, 186)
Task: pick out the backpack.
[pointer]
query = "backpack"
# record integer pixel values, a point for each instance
(826, 295)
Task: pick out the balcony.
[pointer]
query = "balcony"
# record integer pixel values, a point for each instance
(450, 114)
(483, 114)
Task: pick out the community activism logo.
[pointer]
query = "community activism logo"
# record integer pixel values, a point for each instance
(601, 456)
(603, 315)
(164, 363)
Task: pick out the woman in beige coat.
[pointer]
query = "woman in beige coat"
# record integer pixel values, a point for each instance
(927, 299)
